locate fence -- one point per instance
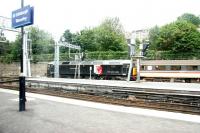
(152, 55)
(168, 55)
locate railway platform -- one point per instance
(50, 114)
(159, 87)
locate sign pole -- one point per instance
(22, 89)
(20, 18)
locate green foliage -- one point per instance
(4, 48)
(169, 55)
(137, 45)
(42, 42)
(191, 18)
(153, 37)
(106, 55)
(178, 37)
(97, 55)
(67, 35)
(108, 35)
(177, 40)
(87, 40)
(4, 45)
(16, 48)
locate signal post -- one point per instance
(142, 49)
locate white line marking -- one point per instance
(27, 98)
(131, 110)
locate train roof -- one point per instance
(99, 62)
(143, 62)
(171, 62)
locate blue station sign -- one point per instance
(22, 17)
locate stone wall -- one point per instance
(38, 69)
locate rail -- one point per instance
(174, 100)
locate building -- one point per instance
(141, 35)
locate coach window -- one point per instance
(194, 68)
(168, 68)
(160, 67)
(184, 68)
(143, 68)
(174, 68)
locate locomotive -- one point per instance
(99, 69)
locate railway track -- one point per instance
(8, 79)
(184, 103)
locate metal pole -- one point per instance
(138, 70)
(22, 89)
(25, 54)
(130, 69)
(79, 70)
(28, 55)
(56, 61)
(69, 53)
(90, 72)
(22, 40)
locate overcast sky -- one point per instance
(55, 16)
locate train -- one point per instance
(99, 69)
(154, 70)
(171, 70)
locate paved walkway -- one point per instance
(48, 114)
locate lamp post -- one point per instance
(22, 89)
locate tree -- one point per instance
(87, 40)
(71, 38)
(179, 36)
(16, 48)
(190, 18)
(4, 44)
(110, 35)
(42, 43)
(153, 35)
(67, 35)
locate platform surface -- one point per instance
(117, 83)
(48, 114)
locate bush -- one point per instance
(169, 55)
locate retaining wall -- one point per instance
(13, 69)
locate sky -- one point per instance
(55, 16)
